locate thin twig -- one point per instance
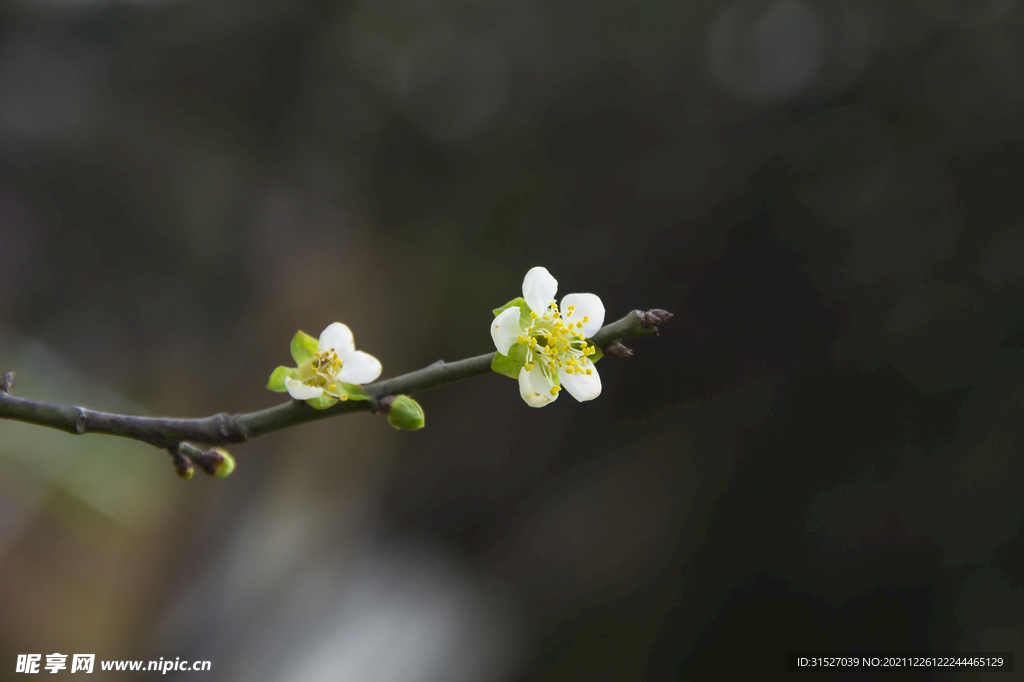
(166, 432)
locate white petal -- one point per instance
(338, 337)
(301, 391)
(541, 382)
(583, 387)
(505, 328)
(532, 398)
(584, 305)
(359, 368)
(539, 289)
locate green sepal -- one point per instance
(510, 364)
(597, 354)
(352, 391)
(322, 402)
(276, 383)
(303, 347)
(406, 414)
(524, 311)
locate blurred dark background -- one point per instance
(821, 451)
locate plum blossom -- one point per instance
(332, 366)
(557, 354)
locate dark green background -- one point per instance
(820, 452)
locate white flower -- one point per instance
(335, 361)
(557, 354)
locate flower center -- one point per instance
(556, 342)
(324, 368)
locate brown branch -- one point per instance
(168, 433)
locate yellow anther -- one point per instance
(554, 390)
(590, 371)
(556, 314)
(581, 336)
(572, 307)
(579, 325)
(569, 314)
(343, 397)
(533, 314)
(586, 319)
(332, 387)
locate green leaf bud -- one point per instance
(405, 414)
(217, 462)
(222, 463)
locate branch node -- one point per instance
(82, 421)
(384, 405)
(7, 383)
(616, 350)
(222, 426)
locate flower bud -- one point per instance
(405, 414)
(219, 462)
(183, 466)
